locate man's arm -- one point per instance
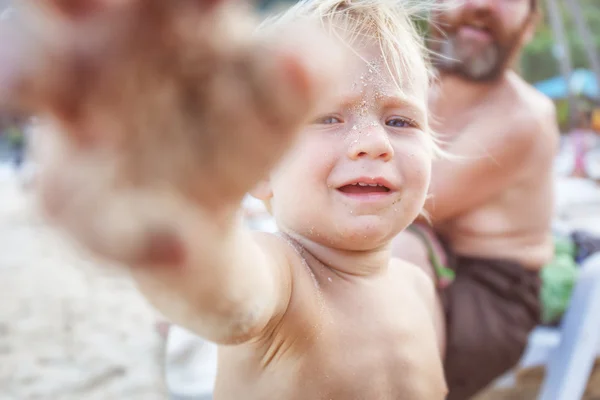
(487, 164)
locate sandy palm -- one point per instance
(174, 97)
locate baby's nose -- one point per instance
(371, 143)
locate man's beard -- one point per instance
(486, 65)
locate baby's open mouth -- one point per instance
(363, 188)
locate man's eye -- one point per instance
(398, 122)
(327, 120)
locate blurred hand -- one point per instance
(161, 112)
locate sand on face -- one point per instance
(70, 327)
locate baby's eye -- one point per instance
(327, 120)
(398, 122)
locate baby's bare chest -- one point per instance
(378, 329)
(370, 344)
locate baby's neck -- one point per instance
(347, 262)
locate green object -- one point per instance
(445, 275)
(565, 246)
(558, 281)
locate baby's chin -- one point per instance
(353, 237)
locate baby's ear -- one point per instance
(262, 191)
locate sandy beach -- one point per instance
(70, 327)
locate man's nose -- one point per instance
(372, 142)
(480, 4)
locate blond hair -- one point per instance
(388, 23)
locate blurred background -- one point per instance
(72, 330)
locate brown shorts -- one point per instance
(490, 308)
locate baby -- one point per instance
(163, 119)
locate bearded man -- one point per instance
(491, 202)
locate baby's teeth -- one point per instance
(365, 184)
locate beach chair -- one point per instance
(569, 351)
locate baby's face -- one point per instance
(360, 171)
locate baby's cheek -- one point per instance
(423, 175)
(415, 165)
(416, 174)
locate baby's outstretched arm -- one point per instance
(162, 114)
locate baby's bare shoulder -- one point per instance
(285, 253)
(305, 302)
(412, 278)
(288, 257)
(274, 246)
(411, 272)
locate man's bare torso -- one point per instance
(341, 338)
(516, 224)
